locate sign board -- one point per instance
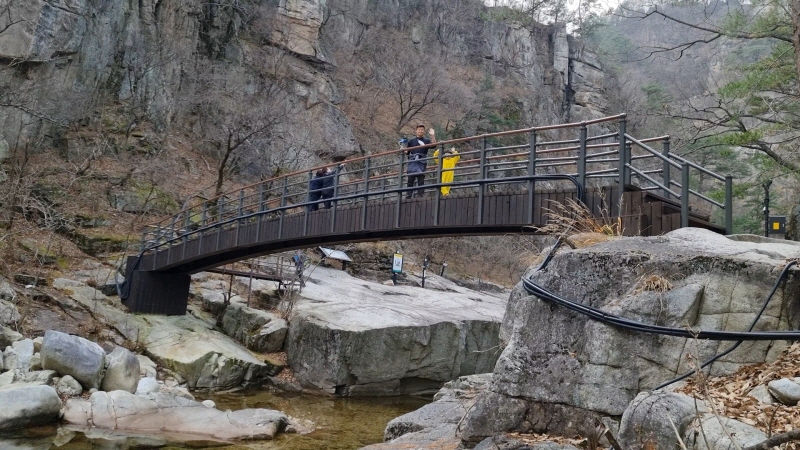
(397, 263)
(777, 224)
(335, 254)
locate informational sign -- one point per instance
(397, 263)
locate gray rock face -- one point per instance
(122, 371)
(147, 368)
(381, 340)
(18, 356)
(69, 386)
(28, 406)
(8, 337)
(785, 390)
(557, 359)
(647, 420)
(718, 431)
(203, 357)
(73, 355)
(8, 313)
(159, 413)
(258, 330)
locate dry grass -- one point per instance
(728, 394)
(653, 283)
(573, 217)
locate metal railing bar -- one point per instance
(655, 153)
(698, 167)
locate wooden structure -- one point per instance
(505, 185)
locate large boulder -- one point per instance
(122, 371)
(560, 363)
(28, 406)
(73, 355)
(258, 330)
(387, 340)
(160, 413)
(205, 358)
(649, 420)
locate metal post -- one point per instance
(444, 266)
(239, 215)
(481, 182)
(283, 211)
(622, 159)
(335, 195)
(220, 211)
(399, 191)
(260, 209)
(582, 158)
(685, 195)
(728, 204)
(438, 196)
(308, 199)
(628, 153)
(766, 185)
(666, 177)
(531, 173)
(366, 194)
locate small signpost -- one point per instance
(397, 266)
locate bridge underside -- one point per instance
(160, 280)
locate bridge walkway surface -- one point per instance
(499, 183)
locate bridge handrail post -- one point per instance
(582, 157)
(481, 181)
(666, 177)
(365, 199)
(438, 195)
(399, 191)
(622, 160)
(260, 209)
(335, 204)
(531, 173)
(308, 199)
(728, 204)
(628, 153)
(204, 215)
(283, 204)
(684, 195)
(220, 211)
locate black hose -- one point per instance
(619, 322)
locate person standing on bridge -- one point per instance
(417, 159)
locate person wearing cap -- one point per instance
(417, 159)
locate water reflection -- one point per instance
(341, 424)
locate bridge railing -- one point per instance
(487, 164)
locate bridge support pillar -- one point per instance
(157, 293)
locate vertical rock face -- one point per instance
(563, 366)
(146, 54)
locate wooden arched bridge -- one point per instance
(503, 183)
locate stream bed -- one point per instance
(341, 424)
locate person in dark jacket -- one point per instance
(315, 188)
(416, 160)
(327, 186)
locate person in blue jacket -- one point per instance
(417, 162)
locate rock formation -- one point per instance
(561, 373)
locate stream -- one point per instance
(341, 424)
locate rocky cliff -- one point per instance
(201, 67)
(561, 373)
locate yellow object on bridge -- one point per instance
(451, 157)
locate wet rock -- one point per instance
(73, 355)
(28, 406)
(159, 413)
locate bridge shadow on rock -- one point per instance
(494, 184)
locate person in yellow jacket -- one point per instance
(449, 160)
